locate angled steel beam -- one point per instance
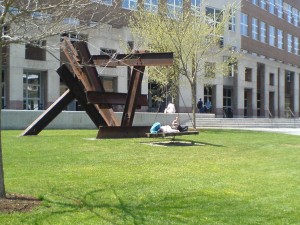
(88, 76)
(134, 92)
(96, 97)
(135, 59)
(77, 89)
(91, 75)
(47, 116)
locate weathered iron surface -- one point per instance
(81, 77)
(47, 116)
(134, 91)
(135, 59)
(76, 88)
(88, 76)
(123, 132)
(96, 97)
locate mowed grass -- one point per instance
(234, 177)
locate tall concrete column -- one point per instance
(218, 100)
(276, 94)
(281, 92)
(296, 94)
(15, 79)
(265, 92)
(254, 92)
(238, 94)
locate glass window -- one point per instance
(272, 6)
(296, 45)
(263, 31)
(248, 74)
(208, 94)
(288, 11)
(296, 17)
(72, 21)
(232, 65)
(254, 29)
(279, 6)
(263, 4)
(244, 24)
(151, 5)
(232, 21)
(41, 16)
(289, 42)
(32, 90)
(227, 98)
(174, 8)
(210, 69)
(129, 4)
(105, 2)
(280, 39)
(255, 2)
(36, 50)
(271, 35)
(74, 37)
(213, 16)
(196, 7)
(272, 79)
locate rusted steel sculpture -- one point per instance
(81, 77)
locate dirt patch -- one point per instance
(18, 203)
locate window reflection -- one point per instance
(32, 91)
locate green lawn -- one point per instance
(234, 177)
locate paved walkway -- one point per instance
(291, 131)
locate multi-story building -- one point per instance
(267, 82)
(264, 82)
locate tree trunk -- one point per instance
(193, 87)
(194, 108)
(2, 186)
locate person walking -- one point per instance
(200, 105)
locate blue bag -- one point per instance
(155, 128)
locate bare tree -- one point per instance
(29, 21)
(193, 35)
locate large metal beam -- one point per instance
(135, 59)
(47, 116)
(91, 75)
(77, 89)
(134, 92)
(88, 76)
(123, 132)
(112, 98)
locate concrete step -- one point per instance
(246, 122)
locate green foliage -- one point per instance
(233, 177)
(194, 39)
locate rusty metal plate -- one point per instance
(123, 132)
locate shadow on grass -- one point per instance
(179, 143)
(106, 206)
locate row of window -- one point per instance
(174, 6)
(269, 34)
(280, 8)
(37, 50)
